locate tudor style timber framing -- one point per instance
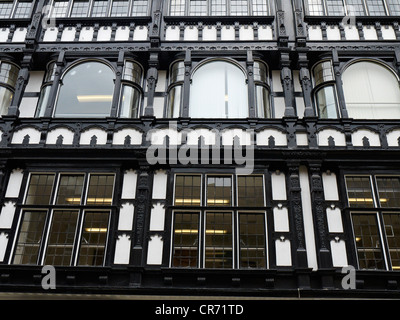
(302, 157)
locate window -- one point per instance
(176, 77)
(262, 90)
(371, 91)
(15, 9)
(375, 214)
(131, 90)
(218, 90)
(8, 79)
(218, 7)
(352, 7)
(46, 88)
(325, 91)
(99, 8)
(65, 219)
(230, 232)
(77, 99)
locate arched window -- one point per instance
(86, 91)
(8, 79)
(371, 91)
(130, 93)
(175, 86)
(218, 90)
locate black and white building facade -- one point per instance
(200, 147)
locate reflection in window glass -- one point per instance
(99, 8)
(186, 240)
(376, 7)
(218, 7)
(335, 7)
(252, 240)
(219, 191)
(392, 230)
(389, 191)
(94, 237)
(139, 8)
(119, 8)
(359, 192)
(23, 9)
(60, 8)
(100, 189)
(218, 240)
(239, 8)
(368, 242)
(80, 8)
(198, 8)
(187, 190)
(70, 189)
(174, 102)
(39, 190)
(130, 99)
(394, 7)
(78, 99)
(61, 238)
(250, 191)
(6, 96)
(355, 7)
(326, 102)
(315, 8)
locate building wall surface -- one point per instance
(132, 196)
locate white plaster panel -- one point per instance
(50, 35)
(209, 33)
(14, 183)
(314, 33)
(160, 184)
(19, 35)
(4, 34)
(87, 135)
(276, 81)
(158, 107)
(330, 186)
(388, 33)
(68, 34)
(279, 107)
(86, 34)
(3, 245)
(68, 136)
(194, 135)
(155, 250)
(35, 81)
(19, 135)
(283, 252)
(278, 181)
(333, 33)
(262, 137)
(265, 33)
(119, 136)
(126, 213)
(104, 34)
(229, 134)
(393, 138)
(323, 135)
(157, 217)
(7, 215)
(334, 218)
(339, 254)
(140, 33)
(370, 33)
(122, 33)
(27, 107)
(227, 33)
(157, 136)
(161, 81)
(351, 32)
(172, 33)
(129, 185)
(191, 33)
(300, 107)
(357, 138)
(301, 139)
(281, 219)
(122, 249)
(246, 33)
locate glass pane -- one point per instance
(198, 8)
(130, 100)
(70, 189)
(186, 240)
(394, 7)
(260, 8)
(8, 73)
(94, 237)
(174, 102)
(23, 9)
(262, 102)
(132, 72)
(187, 190)
(80, 8)
(61, 238)
(218, 90)
(6, 96)
(99, 8)
(335, 7)
(5, 9)
(218, 7)
(250, 191)
(355, 7)
(376, 8)
(218, 240)
(239, 8)
(29, 237)
(392, 229)
(42, 104)
(177, 8)
(359, 192)
(139, 8)
(60, 8)
(326, 103)
(389, 191)
(260, 72)
(78, 99)
(315, 8)
(177, 72)
(119, 8)
(252, 240)
(368, 242)
(101, 187)
(219, 191)
(323, 72)
(40, 188)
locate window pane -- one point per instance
(130, 100)
(198, 8)
(218, 90)
(177, 8)
(252, 240)
(218, 7)
(355, 7)
(219, 191)
(177, 72)
(23, 9)
(100, 190)
(323, 72)
(70, 189)
(326, 103)
(5, 9)
(239, 8)
(218, 240)
(376, 8)
(335, 7)
(132, 72)
(60, 8)
(359, 192)
(42, 104)
(94, 237)
(99, 8)
(139, 8)
(368, 242)
(40, 188)
(6, 96)
(78, 99)
(315, 8)
(174, 102)
(394, 7)
(80, 8)
(30, 237)
(61, 238)
(389, 191)
(186, 240)
(260, 8)
(119, 8)
(250, 191)
(392, 229)
(262, 102)
(187, 190)
(8, 73)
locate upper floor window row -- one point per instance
(17, 9)
(219, 8)
(98, 8)
(353, 7)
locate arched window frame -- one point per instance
(8, 83)
(322, 85)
